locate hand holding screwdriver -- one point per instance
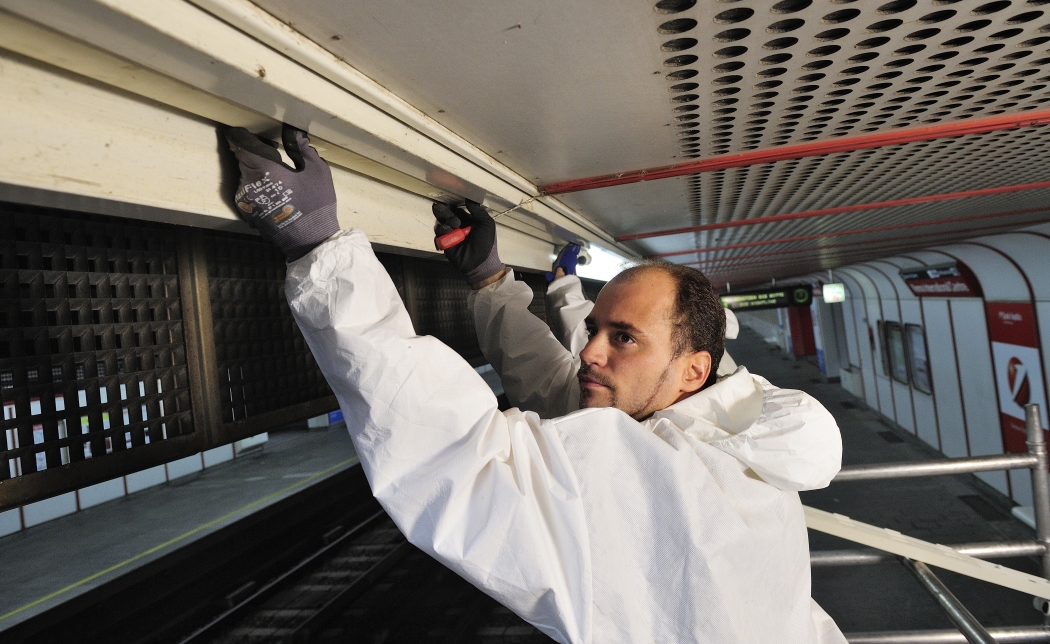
(468, 238)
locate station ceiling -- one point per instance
(749, 138)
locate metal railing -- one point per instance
(969, 629)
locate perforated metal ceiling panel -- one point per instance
(565, 91)
(799, 70)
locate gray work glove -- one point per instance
(293, 208)
(476, 256)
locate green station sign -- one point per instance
(771, 299)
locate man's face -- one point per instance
(629, 362)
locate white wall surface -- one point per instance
(922, 404)
(962, 416)
(100, 493)
(877, 309)
(48, 509)
(945, 376)
(889, 296)
(978, 384)
(858, 332)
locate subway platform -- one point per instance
(63, 562)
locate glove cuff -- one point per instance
(491, 266)
(303, 236)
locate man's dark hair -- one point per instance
(699, 317)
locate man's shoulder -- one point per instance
(592, 415)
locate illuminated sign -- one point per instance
(942, 280)
(834, 293)
(771, 299)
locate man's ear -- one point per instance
(695, 370)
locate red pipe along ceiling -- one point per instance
(860, 231)
(891, 242)
(802, 150)
(823, 212)
(742, 262)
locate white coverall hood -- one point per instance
(781, 434)
(732, 325)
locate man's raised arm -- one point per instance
(569, 307)
(538, 373)
(492, 496)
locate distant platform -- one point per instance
(52, 563)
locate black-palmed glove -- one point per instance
(476, 256)
(293, 208)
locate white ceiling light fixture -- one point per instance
(604, 264)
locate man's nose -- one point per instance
(595, 351)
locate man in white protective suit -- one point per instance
(665, 509)
(569, 308)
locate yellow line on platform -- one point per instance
(175, 540)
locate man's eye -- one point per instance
(590, 332)
(623, 338)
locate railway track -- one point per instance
(367, 584)
(302, 600)
(325, 565)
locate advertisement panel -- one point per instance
(1018, 368)
(942, 280)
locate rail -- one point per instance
(953, 608)
(353, 568)
(968, 628)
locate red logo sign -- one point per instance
(945, 280)
(1017, 379)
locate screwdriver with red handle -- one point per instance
(450, 239)
(450, 229)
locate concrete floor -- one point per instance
(44, 560)
(952, 509)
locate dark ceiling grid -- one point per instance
(978, 214)
(1002, 158)
(863, 250)
(1000, 203)
(860, 243)
(995, 159)
(682, 87)
(885, 231)
(758, 269)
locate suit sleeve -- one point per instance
(538, 373)
(569, 308)
(491, 495)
